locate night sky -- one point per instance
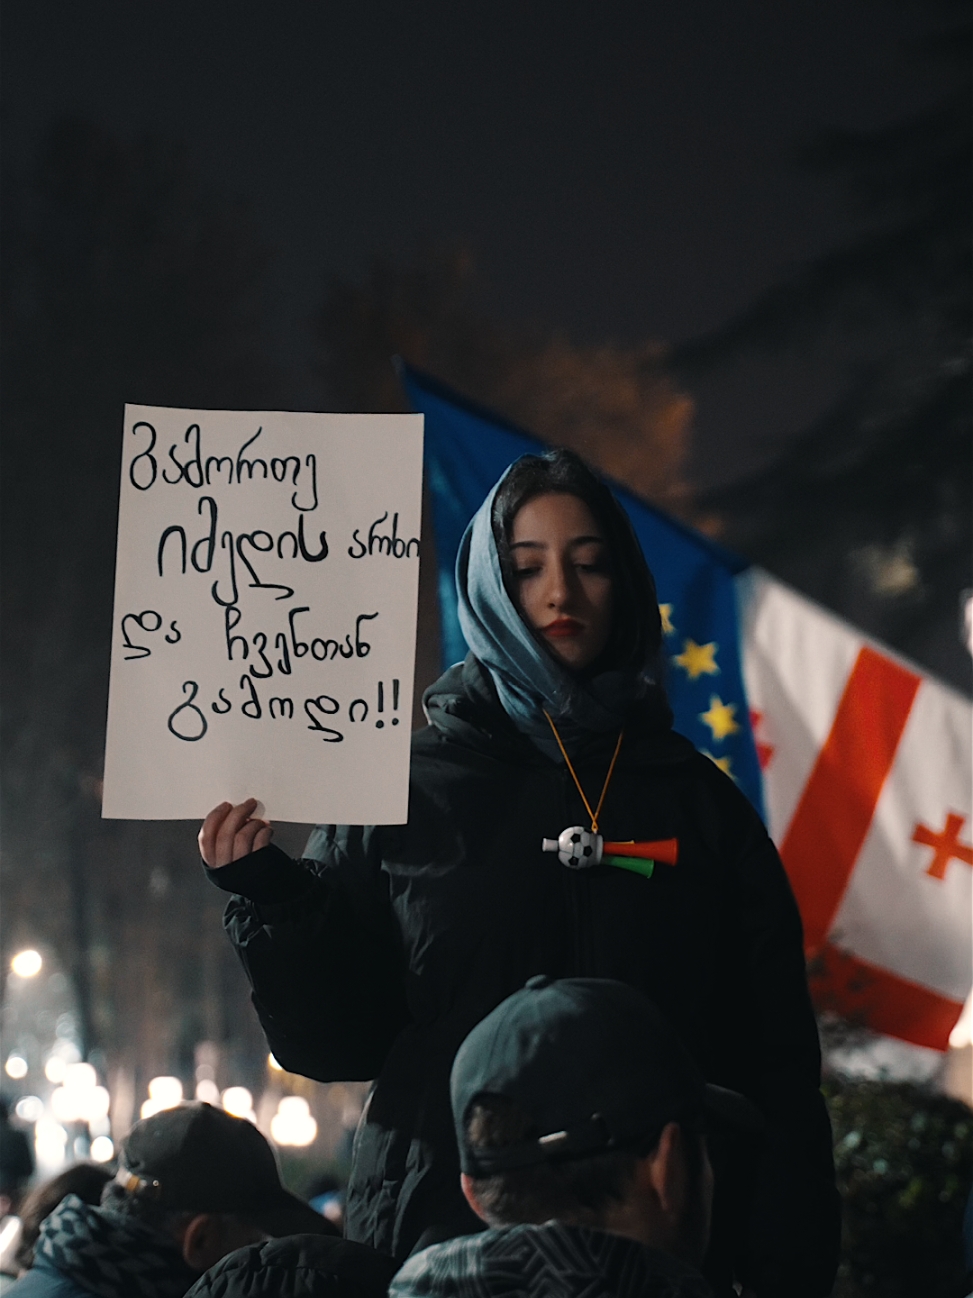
(619, 170)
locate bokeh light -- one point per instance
(29, 1108)
(292, 1124)
(26, 964)
(102, 1149)
(207, 1091)
(238, 1101)
(164, 1093)
(16, 1067)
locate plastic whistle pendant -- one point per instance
(582, 849)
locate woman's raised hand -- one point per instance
(228, 833)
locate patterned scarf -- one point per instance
(112, 1255)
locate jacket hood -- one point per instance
(463, 706)
(530, 1261)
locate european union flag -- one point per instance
(467, 449)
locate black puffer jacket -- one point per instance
(375, 957)
(300, 1266)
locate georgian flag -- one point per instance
(859, 762)
(868, 789)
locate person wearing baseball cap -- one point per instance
(581, 1122)
(193, 1184)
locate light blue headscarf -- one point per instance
(527, 678)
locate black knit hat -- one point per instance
(198, 1158)
(593, 1064)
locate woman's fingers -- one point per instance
(245, 840)
(233, 822)
(228, 833)
(263, 837)
(208, 831)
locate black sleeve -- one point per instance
(323, 959)
(795, 1224)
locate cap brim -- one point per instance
(289, 1215)
(728, 1110)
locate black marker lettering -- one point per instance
(283, 664)
(231, 619)
(143, 455)
(260, 644)
(312, 462)
(280, 543)
(227, 603)
(286, 707)
(300, 649)
(209, 540)
(175, 530)
(140, 651)
(194, 717)
(278, 467)
(382, 540)
(351, 710)
(362, 647)
(249, 465)
(329, 706)
(305, 552)
(221, 712)
(253, 702)
(176, 633)
(251, 539)
(219, 461)
(362, 547)
(180, 467)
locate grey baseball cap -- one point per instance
(594, 1065)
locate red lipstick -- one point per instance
(563, 628)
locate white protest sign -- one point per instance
(265, 615)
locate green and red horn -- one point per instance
(641, 857)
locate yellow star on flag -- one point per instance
(665, 611)
(698, 659)
(722, 762)
(719, 718)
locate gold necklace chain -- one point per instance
(604, 788)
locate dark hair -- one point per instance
(577, 1190)
(637, 626)
(86, 1180)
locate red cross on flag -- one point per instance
(868, 787)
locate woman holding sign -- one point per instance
(557, 825)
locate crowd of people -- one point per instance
(583, 1127)
(576, 976)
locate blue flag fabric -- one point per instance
(466, 451)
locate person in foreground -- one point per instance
(579, 1119)
(193, 1184)
(377, 954)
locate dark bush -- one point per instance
(904, 1157)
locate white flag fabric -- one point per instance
(868, 785)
